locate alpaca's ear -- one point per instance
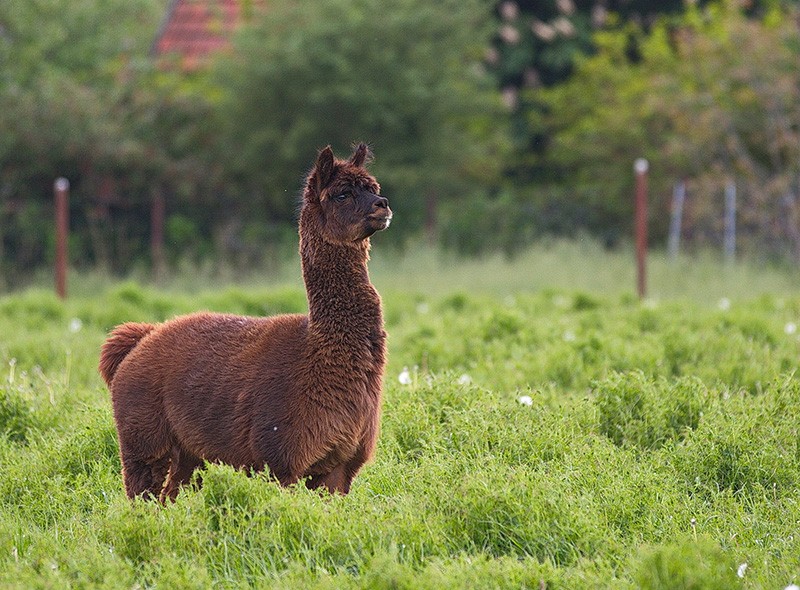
(323, 169)
(361, 155)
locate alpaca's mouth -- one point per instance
(382, 220)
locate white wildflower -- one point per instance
(75, 325)
(569, 336)
(405, 377)
(464, 379)
(792, 587)
(525, 400)
(790, 328)
(724, 304)
(423, 308)
(742, 569)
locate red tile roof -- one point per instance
(193, 29)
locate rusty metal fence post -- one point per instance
(61, 189)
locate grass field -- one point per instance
(549, 431)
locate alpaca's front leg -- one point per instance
(284, 452)
(340, 478)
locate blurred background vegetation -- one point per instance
(494, 124)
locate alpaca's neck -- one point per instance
(342, 302)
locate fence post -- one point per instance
(640, 167)
(729, 240)
(61, 189)
(676, 216)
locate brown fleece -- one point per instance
(297, 394)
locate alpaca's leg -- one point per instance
(284, 476)
(336, 481)
(144, 434)
(182, 466)
(144, 478)
(363, 454)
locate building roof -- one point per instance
(194, 29)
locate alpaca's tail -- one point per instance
(117, 346)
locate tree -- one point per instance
(62, 108)
(404, 76)
(714, 98)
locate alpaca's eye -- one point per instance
(340, 198)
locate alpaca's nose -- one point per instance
(381, 202)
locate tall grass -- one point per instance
(542, 436)
(575, 265)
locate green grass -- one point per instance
(658, 445)
(572, 266)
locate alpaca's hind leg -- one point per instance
(144, 434)
(182, 466)
(144, 478)
(337, 481)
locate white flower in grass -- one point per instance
(724, 304)
(464, 379)
(741, 570)
(75, 325)
(404, 377)
(792, 587)
(790, 328)
(525, 400)
(569, 336)
(423, 308)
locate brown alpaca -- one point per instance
(298, 394)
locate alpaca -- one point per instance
(297, 394)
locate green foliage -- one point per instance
(402, 76)
(707, 92)
(710, 99)
(473, 226)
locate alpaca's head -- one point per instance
(342, 200)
